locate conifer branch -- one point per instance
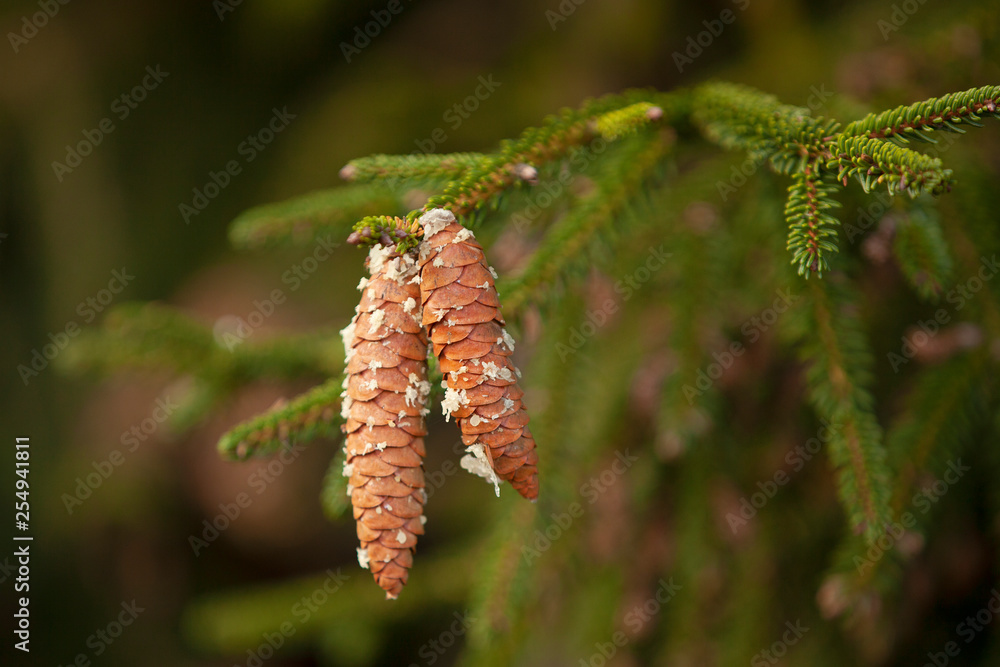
(310, 415)
(501, 569)
(812, 231)
(394, 169)
(517, 161)
(942, 414)
(922, 252)
(839, 361)
(876, 162)
(335, 497)
(739, 117)
(536, 146)
(694, 529)
(565, 242)
(621, 122)
(143, 336)
(388, 230)
(919, 120)
(151, 336)
(940, 418)
(230, 621)
(599, 397)
(302, 219)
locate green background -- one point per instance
(119, 209)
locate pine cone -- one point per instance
(461, 311)
(384, 403)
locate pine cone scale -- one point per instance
(385, 393)
(481, 381)
(444, 334)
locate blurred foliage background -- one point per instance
(227, 67)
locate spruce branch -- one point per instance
(335, 497)
(503, 573)
(302, 219)
(229, 621)
(599, 397)
(565, 243)
(621, 122)
(942, 414)
(739, 117)
(312, 414)
(389, 230)
(410, 169)
(940, 419)
(286, 356)
(195, 402)
(144, 336)
(876, 162)
(922, 252)
(692, 614)
(517, 161)
(491, 178)
(834, 345)
(812, 231)
(919, 120)
(151, 336)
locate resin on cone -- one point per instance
(461, 311)
(384, 403)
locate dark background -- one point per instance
(120, 209)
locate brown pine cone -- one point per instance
(384, 403)
(461, 311)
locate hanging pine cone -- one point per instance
(384, 403)
(461, 311)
